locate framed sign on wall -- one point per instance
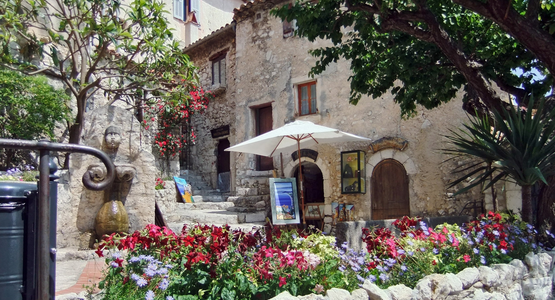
(285, 203)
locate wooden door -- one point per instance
(264, 124)
(390, 191)
(223, 156)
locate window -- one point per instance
(218, 70)
(186, 10)
(307, 98)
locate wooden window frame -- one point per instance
(311, 110)
(221, 71)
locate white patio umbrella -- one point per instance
(291, 137)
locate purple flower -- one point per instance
(134, 259)
(404, 268)
(476, 251)
(164, 284)
(149, 295)
(142, 282)
(435, 251)
(169, 298)
(360, 278)
(372, 278)
(135, 277)
(384, 277)
(163, 271)
(482, 260)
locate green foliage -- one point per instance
(426, 47)
(514, 143)
(29, 107)
(124, 50)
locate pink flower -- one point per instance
(282, 281)
(466, 258)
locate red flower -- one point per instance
(282, 281)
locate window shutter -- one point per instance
(195, 6)
(222, 71)
(178, 12)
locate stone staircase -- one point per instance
(213, 207)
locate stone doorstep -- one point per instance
(214, 216)
(176, 227)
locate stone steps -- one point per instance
(176, 227)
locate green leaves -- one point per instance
(117, 50)
(513, 144)
(391, 47)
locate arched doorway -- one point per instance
(390, 191)
(313, 189)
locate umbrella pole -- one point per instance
(281, 161)
(301, 179)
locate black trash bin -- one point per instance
(17, 238)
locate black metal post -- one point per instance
(43, 252)
(44, 278)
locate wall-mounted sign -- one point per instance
(305, 153)
(220, 131)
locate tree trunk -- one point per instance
(77, 126)
(546, 212)
(527, 204)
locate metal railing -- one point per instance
(44, 257)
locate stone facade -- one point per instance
(264, 67)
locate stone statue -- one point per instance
(112, 216)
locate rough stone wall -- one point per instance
(220, 111)
(77, 206)
(268, 68)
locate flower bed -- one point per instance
(207, 262)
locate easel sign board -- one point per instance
(285, 203)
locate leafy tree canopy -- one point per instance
(29, 106)
(434, 47)
(30, 109)
(121, 49)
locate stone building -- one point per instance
(259, 73)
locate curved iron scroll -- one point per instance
(88, 178)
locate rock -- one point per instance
(488, 276)
(535, 265)
(454, 282)
(521, 271)
(513, 292)
(399, 292)
(338, 294)
(374, 292)
(505, 273)
(546, 261)
(313, 297)
(430, 287)
(468, 277)
(538, 288)
(359, 294)
(284, 296)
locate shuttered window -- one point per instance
(194, 6)
(179, 9)
(307, 98)
(218, 70)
